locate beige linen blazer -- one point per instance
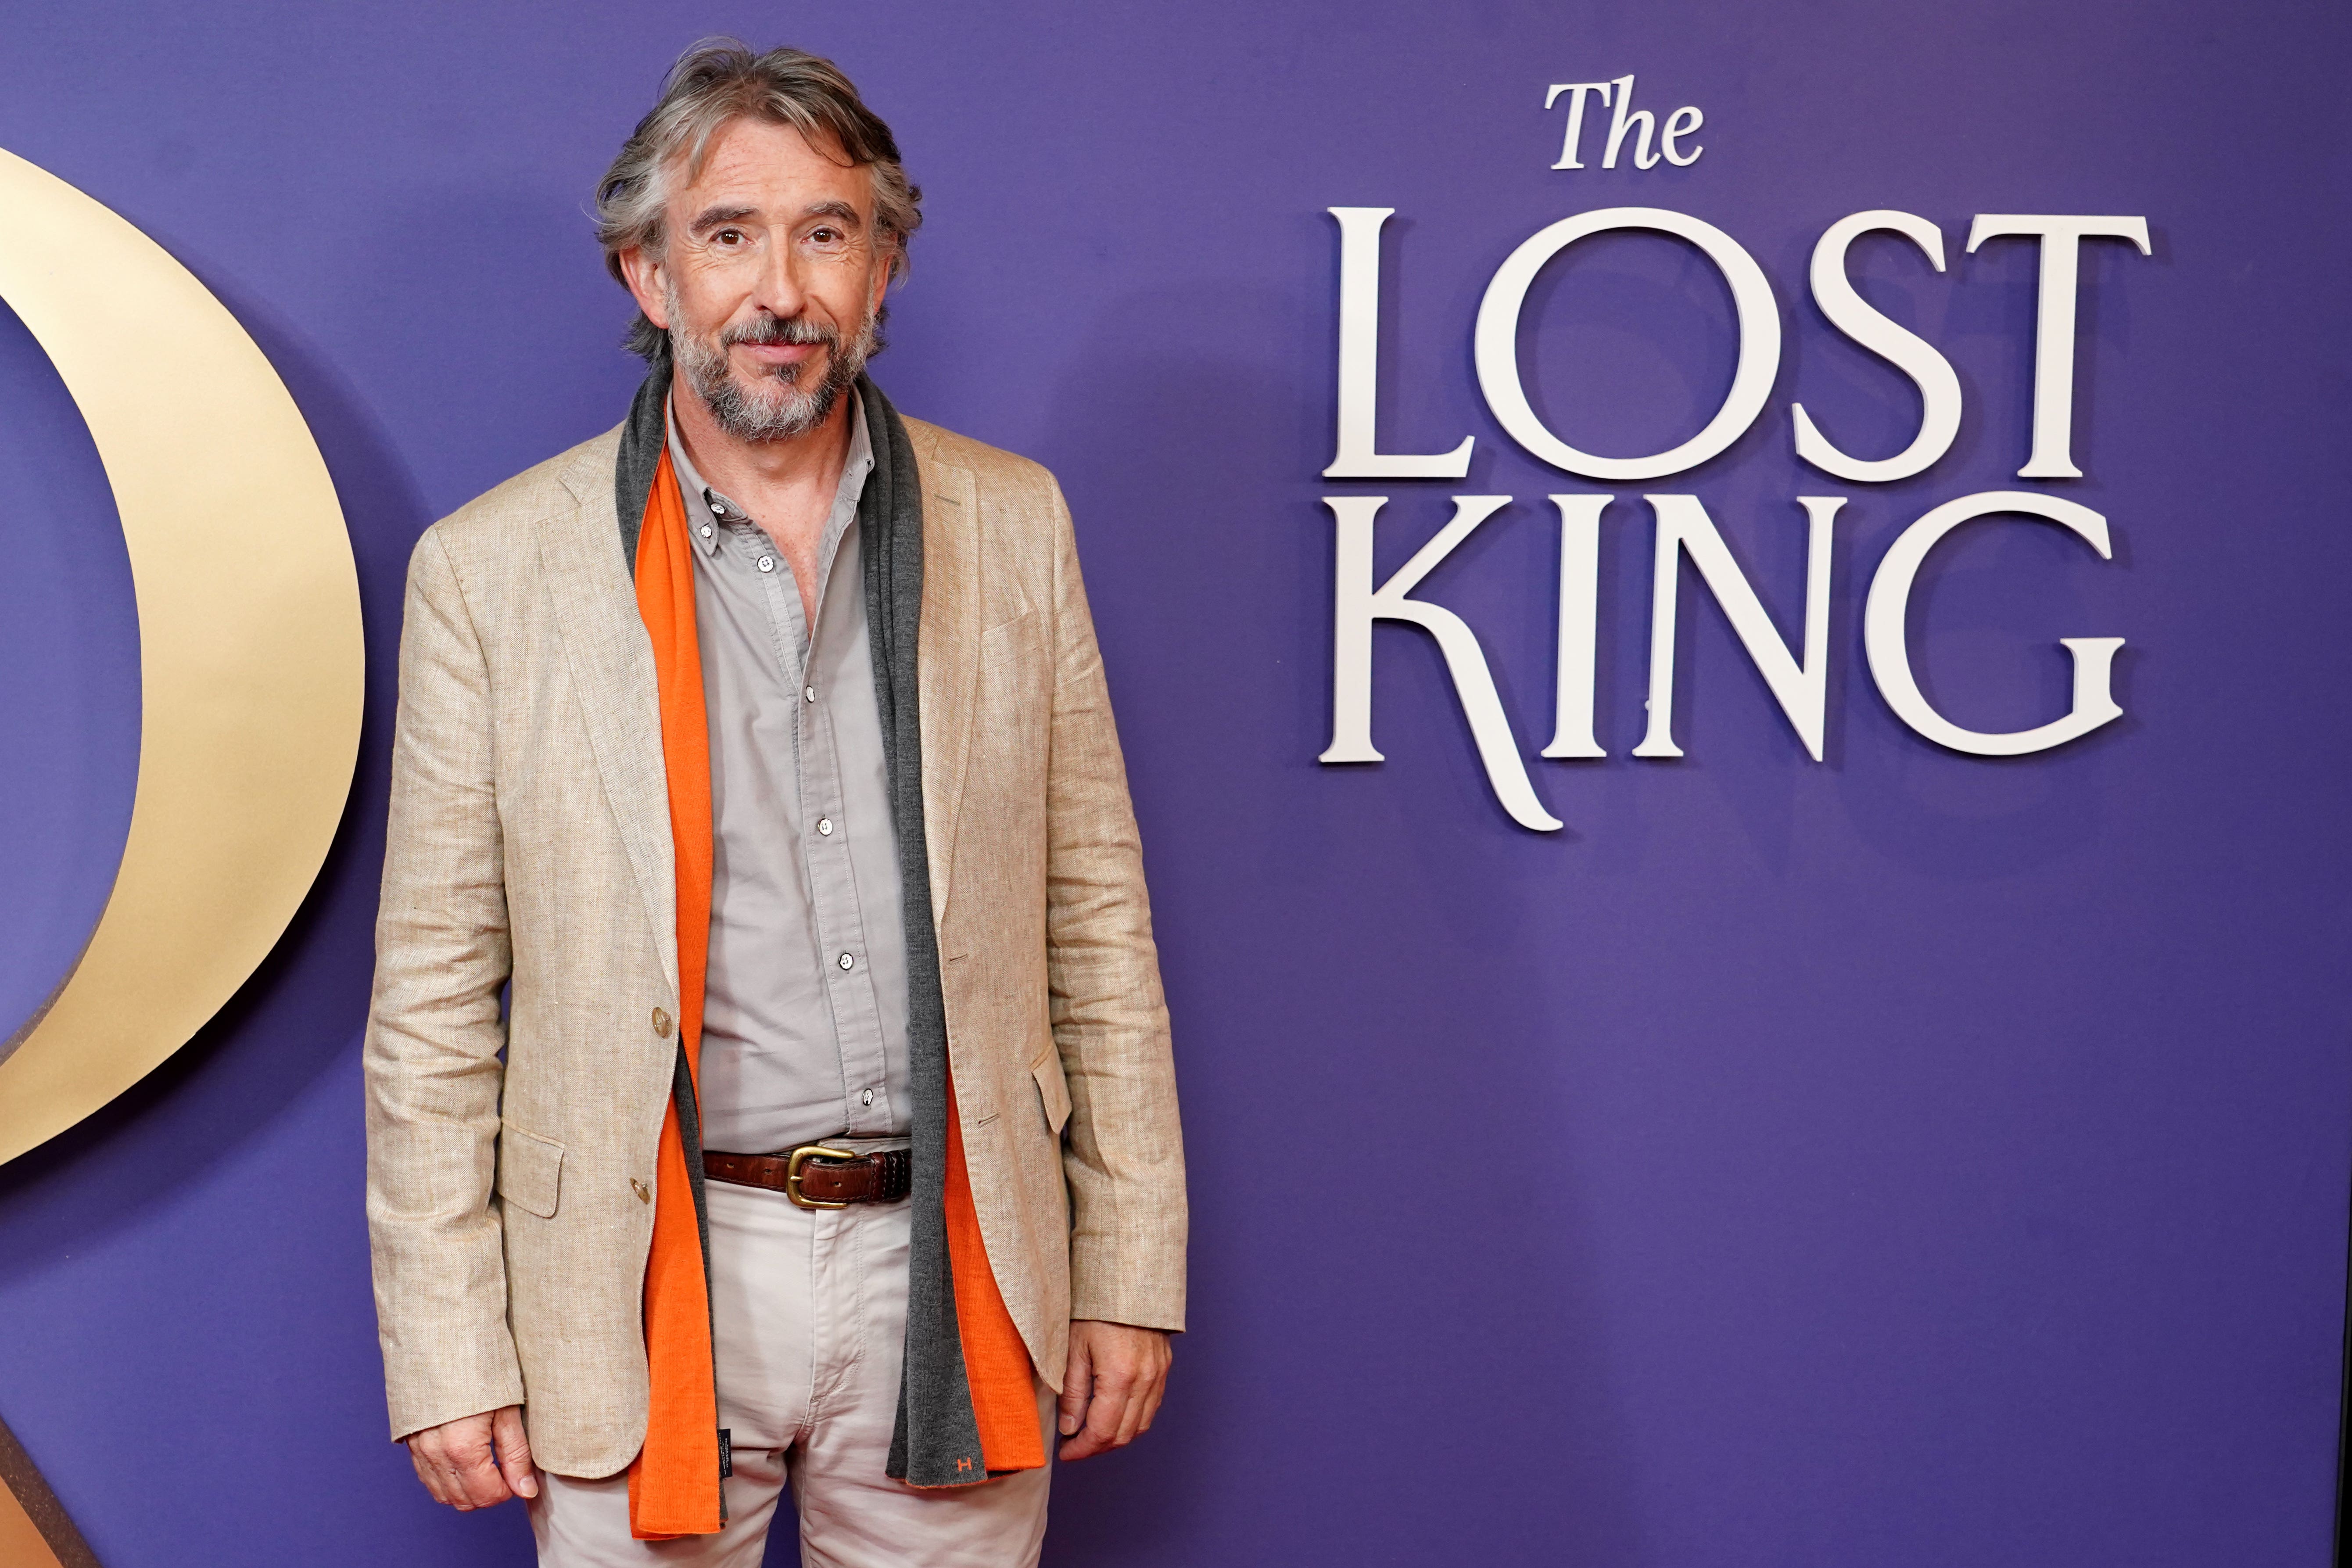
(512, 1161)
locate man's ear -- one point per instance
(643, 274)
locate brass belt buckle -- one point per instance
(793, 1173)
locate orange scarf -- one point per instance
(674, 1482)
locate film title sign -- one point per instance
(1796, 677)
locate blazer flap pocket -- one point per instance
(531, 1169)
(1053, 1089)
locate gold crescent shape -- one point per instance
(250, 657)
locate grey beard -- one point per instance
(777, 406)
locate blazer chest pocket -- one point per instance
(530, 1170)
(1011, 641)
(1052, 1089)
(1015, 704)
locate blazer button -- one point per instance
(644, 1194)
(661, 1022)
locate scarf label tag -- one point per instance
(726, 1453)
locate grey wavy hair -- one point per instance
(715, 82)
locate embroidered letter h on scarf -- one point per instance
(967, 1406)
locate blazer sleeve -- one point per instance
(435, 1031)
(1125, 1157)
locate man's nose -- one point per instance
(778, 289)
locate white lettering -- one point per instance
(1357, 604)
(1888, 612)
(1801, 689)
(1496, 345)
(2054, 323)
(1939, 389)
(1683, 122)
(1620, 122)
(1579, 598)
(1358, 457)
(1576, 91)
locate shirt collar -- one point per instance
(705, 505)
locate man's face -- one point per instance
(770, 279)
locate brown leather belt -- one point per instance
(818, 1176)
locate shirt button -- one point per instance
(644, 1194)
(847, 962)
(767, 564)
(706, 530)
(865, 1098)
(661, 1022)
(719, 508)
(824, 825)
(809, 692)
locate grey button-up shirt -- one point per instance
(804, 1008)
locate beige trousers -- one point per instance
(809, 1314)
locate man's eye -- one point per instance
(826, 236)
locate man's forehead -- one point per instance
(753, 162)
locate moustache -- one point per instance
(777, 329)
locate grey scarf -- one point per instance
(937, 1440)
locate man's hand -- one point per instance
(1112, 1386)
(477, 1461)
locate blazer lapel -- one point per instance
(947, 654)
(613, 665)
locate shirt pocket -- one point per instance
(530, 1170)
(1052, 1089)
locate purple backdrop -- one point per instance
(1905, 1158)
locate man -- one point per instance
(761, 746)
